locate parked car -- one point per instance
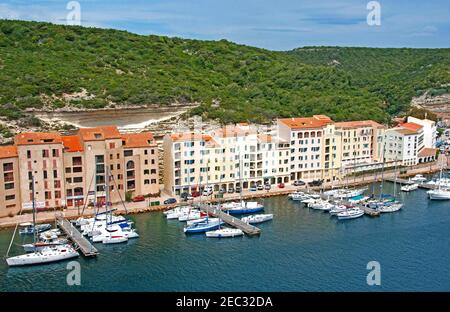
(253, 189)
(138, 198)
(222, 191)
(170, 201)
(195, 194)
(315, 183)
(299, 183)
(230, 190)
(207, 192)
(260, 187)
(186, 196)
(238, 189)
(267, 187)
(281, 185)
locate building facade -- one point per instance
(74, 170)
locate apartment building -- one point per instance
(74, 170)
(9, 181)
(429, 130)
(229, 157)
(307, 145)
(403, 144)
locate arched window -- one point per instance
(130, 165)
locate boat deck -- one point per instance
(76, 237)
(233, 221)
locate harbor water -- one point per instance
(300, 250)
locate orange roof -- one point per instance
(427, 152)
(358, 124)
(317, 121)
(136, 140)
(189, 136)
(72, 143)
(99, 133)
(32, 138)
(405, 131)
(8, 151)
(265, 138)
(411, 126)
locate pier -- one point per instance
(75, 236)
(230, 220)
(404, 182)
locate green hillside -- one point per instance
(40, 61)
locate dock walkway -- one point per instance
(75, 236)
(230, 220)
(405, 181)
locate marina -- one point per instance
(302, 249)
(232, 221)
(75, 236)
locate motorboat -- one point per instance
(345, 193)
(338, 209)
(225, 232)
(182, 209)
(358, 199)
(320, 204)
(242, 207)
(259, 218)
(418, 178)
(115, 239)
(28, 228)
(179, 212)
(45, 255)
(114, 230)
(390, 207)
(439, 194)
(350, 213)
(192, 215)
(409, 187)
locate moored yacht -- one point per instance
(225, 232)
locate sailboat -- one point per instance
(46, 254)
(441, 193)
(242, 207)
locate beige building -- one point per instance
(73, 170)
(9, 181)
(314, 150)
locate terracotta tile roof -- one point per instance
(8, 151)
(99, 133)
(427, 152)
(267, 138)
(411, 126)
(317, 121)
(405, 131)
(33, 138)
(72, 143)
(136, 140)
(358, 124)
(189, 136)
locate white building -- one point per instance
(429, 130)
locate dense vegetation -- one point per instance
(39, 62)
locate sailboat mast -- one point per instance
(382, 172)
(34, 209)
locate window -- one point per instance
(46, 175)
(146, 171)
(55, 152)
(147, 181)
(153, 181)
(55, 174)
(9, 186)
(112, 146)
(10, 197)
(68, 170)
(76, 161)
(48, 195)
(145, 152)
(8, 167)
(57, 184)
(28, 154)
(128, 153)
(77, 169)
(57, 194)
(45, 153)
(153, 171)
(77, 179)
(152, 151)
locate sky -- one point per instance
(274, 24)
